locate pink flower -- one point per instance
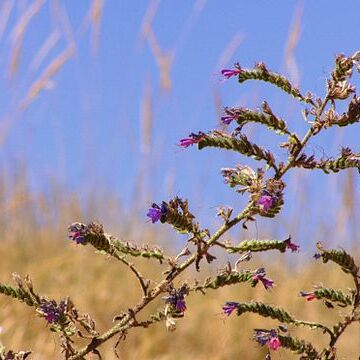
(228, 73)
(265, 202)
(192, 139)
(259, 275)
(274, 343)
(267, 337)
(293, 247)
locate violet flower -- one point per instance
(176, 298)
(228, 73)
(262, 336)
(259, 275)
(156, 212)
(317, 256)
(289, 245)
(192, 139)
(265, 202)
(229, 307)
(229, 117)
(51, 311)
(77, 232)
(267, 337)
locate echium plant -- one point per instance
(265, 188)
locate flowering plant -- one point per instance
(265, 188)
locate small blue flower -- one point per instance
(155, 213)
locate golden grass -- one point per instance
(33, 233)
(103, 288)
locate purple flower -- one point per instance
(262, 336)
(176, 298)
(180, 305)
(267, 337)
(228, 73)
(309, 296)
(157, 212)
(289, 245)
(77, 232)
(192, 139)
(265, 202)
(259, 275)
(51, 311)
(231, 114)
(227, 119)
(317, 256)
(229, 307)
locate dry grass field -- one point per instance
(103, 288)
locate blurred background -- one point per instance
(95, 96)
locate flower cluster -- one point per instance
(51, 311)
(176, 298)
(77, 232)
(156, 212)
(267, 337)
(265, 202)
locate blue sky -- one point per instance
(85, 132)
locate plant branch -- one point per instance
(151, 295)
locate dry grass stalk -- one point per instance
(44, 80)
(5, 12)
(147, 116)
(95, 16)
(47, 46)
(18, 33)
(293, 40)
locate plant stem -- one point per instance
(125, 324)
(304, 141)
